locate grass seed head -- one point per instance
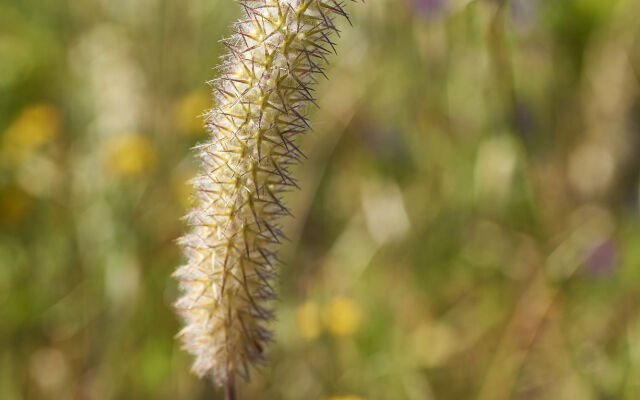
(278, 49)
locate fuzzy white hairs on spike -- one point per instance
(278, 49)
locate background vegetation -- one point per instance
(468, 225)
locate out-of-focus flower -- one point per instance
(14, 205)
(35, 126)
(188, 113)
(130, 155)
(342, 316)
(308, 320)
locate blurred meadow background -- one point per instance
(468, 225)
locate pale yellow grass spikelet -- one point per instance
(277, 51)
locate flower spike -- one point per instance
(278, 49)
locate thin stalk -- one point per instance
(230, 388)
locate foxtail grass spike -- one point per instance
(277, 52)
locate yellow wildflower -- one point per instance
(35, 125)
(130, 155)
(342, 316)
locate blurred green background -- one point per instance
(468, 225)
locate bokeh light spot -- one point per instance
(342, 316)
(130, 155)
